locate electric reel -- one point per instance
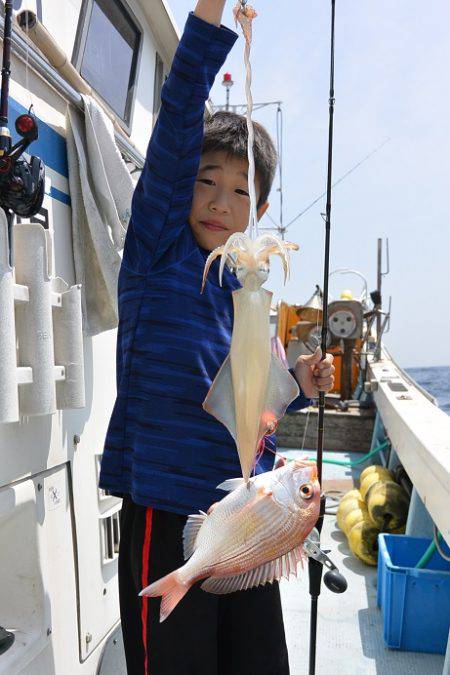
(22, 182)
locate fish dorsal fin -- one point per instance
(267, 573)
(190, 532)
(231, 484)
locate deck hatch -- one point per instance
(397, 386)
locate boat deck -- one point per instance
(350, 628)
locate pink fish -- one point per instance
(252, 536)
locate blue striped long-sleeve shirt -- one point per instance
(161, 446)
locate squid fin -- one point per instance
(258, 576)
(219, 401)
(190, 532)
(282, 389)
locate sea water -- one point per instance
(435, 380)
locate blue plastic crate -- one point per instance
(415, 603)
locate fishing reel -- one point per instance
(6, 640)
(22, 182)
(333, 579)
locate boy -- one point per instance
(163, 453)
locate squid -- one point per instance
(252, 388)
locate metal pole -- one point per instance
(315, 567)
(6, 66)
(379, 281)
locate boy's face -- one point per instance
(221, 201)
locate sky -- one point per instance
(392, 81)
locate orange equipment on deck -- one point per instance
(295, 322)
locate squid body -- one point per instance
(252, 388)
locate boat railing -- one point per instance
(419, 432)
(410, 379)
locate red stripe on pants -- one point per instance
(145, 565)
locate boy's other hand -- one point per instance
(314, 375)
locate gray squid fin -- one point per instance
(219, 401)
(282, 389)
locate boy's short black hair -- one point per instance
(227, 131)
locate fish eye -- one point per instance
(307, 491)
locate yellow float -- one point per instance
(373, 477)
(387, 505)
(363, 541)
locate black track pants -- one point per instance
(240, 633)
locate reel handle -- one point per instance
(335, 581)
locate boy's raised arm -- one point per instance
(163, 196)
(210, 10)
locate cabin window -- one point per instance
(106, 53)
(158, 83)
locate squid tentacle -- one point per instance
(270, 245)
(250, 252)
(209, 261)
(236, 244)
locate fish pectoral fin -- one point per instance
(219, 401)
(269, 572)
(190, 532)
(231, 484)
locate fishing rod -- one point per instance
(332, 579)
(21, 182)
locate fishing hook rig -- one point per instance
(22, 181)
(333, 579)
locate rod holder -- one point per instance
(68, 343)
(34, 324)
(9, 395)
(41, 339)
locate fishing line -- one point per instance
(27, 62)
(317, 199)
(309, 407)
(343, 177)
(279, 128)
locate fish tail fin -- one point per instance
(172, 591)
